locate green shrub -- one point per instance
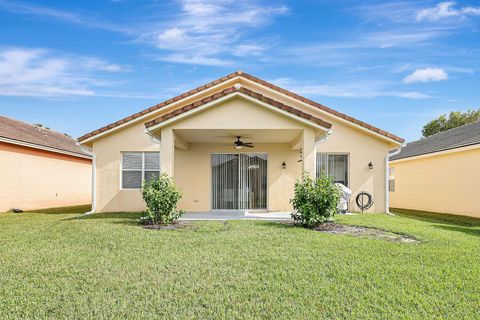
(315, 201)
(161, 197)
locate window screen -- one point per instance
(334, 165)
(139, 166)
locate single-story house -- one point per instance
(41, 168)
(439, 173)
(237, 143)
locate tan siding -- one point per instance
(445, 183)
(35, 179)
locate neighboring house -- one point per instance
(41, 168)
(439, 173)
(191, 137)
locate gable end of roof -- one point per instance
(247, 92)
(251, 78)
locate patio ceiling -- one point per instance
(228, 136)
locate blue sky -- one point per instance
(78, 65)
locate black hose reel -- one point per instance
(364, 200)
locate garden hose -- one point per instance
(364, 200)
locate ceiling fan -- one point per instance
(239, 144)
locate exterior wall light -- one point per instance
(284, 165)
(370, 165)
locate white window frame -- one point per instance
(391, 179)
(143, 167)
(336, 154)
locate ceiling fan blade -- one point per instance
(248, 146)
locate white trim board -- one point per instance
(437, 153)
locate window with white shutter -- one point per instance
(138, 167)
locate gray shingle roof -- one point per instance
(463, 136)
(15, 130)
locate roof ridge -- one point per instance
(40, 128)
(445, 131)
(23, 133)
(250, 93)
(454, 138)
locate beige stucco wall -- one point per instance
(361, 149)
(110, 197)
(36, 179)
(192, 166)
(445, 183)
(194, 177)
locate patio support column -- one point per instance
(309, 152)
(167, 149)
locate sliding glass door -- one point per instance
(239, 181)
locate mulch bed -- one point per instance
(174, 226)
(334, 228)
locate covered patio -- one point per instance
(236, 215)
(217, 173)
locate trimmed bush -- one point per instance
(315, 201)
(161, 197)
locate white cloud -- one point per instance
(90, 20)
(194, 59)
(251, 49)
(357, 89)
(426, 75)
(97, 64)
(209, 32)
(39, 72)
(446, 10)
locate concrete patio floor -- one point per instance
(236, 215)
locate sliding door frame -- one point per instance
(211, 183)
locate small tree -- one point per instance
(315, 201)
(161, 197)
(455, 119)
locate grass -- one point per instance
(56, 265)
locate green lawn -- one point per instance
(56, 265)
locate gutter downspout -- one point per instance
(323, 137)
(94, 181)
(153, 135)
(387, 176)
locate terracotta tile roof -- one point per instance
(257, 80)
(322, 107)
(157, 106)
(243, 90)
(21, 132)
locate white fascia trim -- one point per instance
(325, 112)
(36, 146)
(149, 114)
(228, 97)
(437, 153)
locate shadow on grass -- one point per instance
(441, 218)
(465, 230)
(128, 218)
(276, 224)
(63, 210)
